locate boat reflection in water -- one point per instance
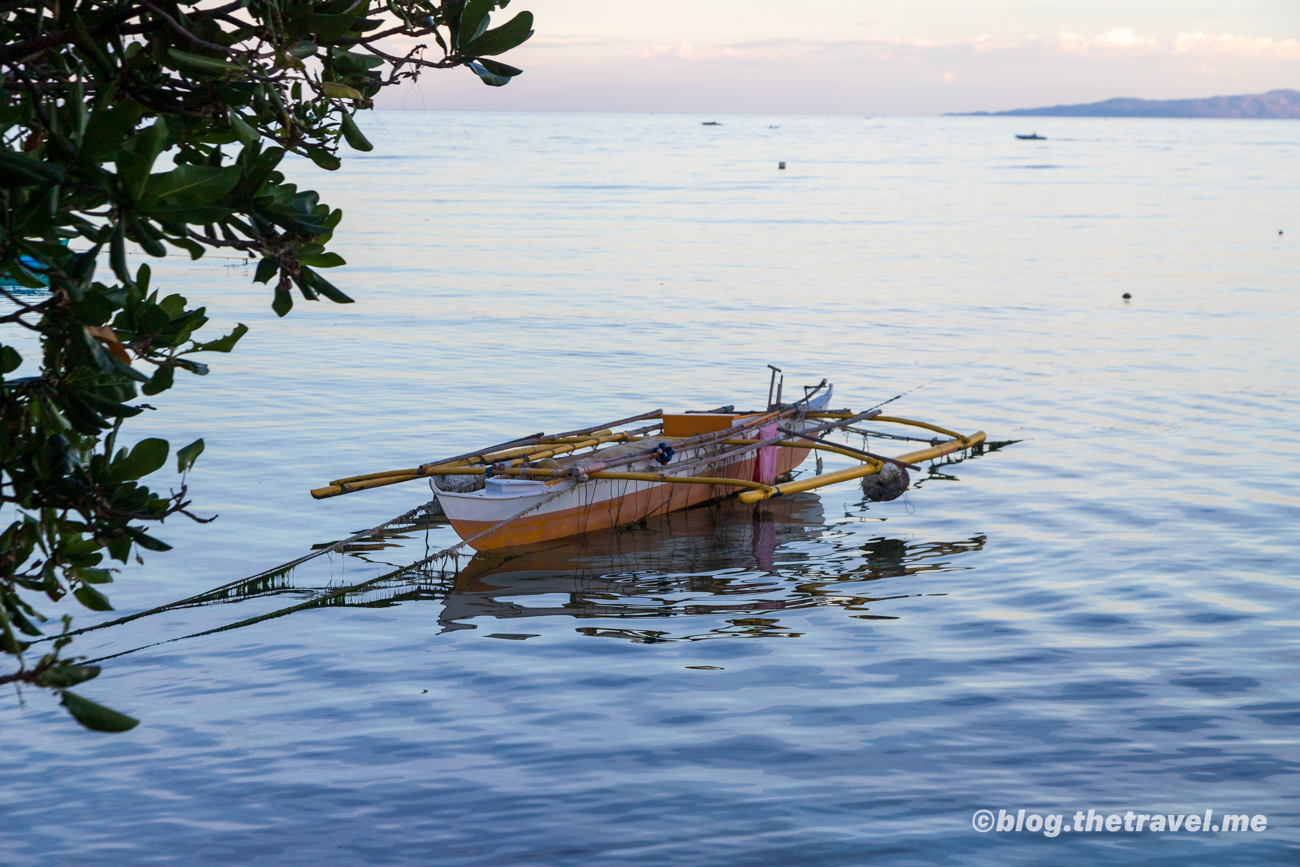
(736, 565)
(727, 568)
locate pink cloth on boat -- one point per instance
(765, 464)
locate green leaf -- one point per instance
(320, 284)
(9, 359)
(487, 77)
(496, 67)
(501, 39)
(143, 233)
(20, 170)
(195, 367)
(92, 575)
(328, 28)
(194, 248)
(266, 269)
(135, 158)
(324, 159)
(473, 21)
(186, 457)
(243, 131)
(149, 543)
(90, 48)
(92, 598)
(192, 185)
(107, 128)
(303, 49)
(105, 405)
(197, 63)
(324, 260)
(63, 676)
(282, 303)
(8, 643)
(108, 362)
(160, 381)
(146, 457)
(222, 344)
(353, 134)
(95, 716)
(336, 90)
(349, 62)
(117, 253)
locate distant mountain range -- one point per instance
(1274, 104)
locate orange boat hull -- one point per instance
(618, 511)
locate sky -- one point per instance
(872, 57)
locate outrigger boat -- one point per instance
(539, 488)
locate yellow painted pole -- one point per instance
(570, 447)
(490, 458)
(339, 488)
(961, 443)
(914, 423)
(681, 480)
(350, 485)
(866, 469)
(533, 472)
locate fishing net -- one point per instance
(888, 484)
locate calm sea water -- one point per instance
(1102, 615)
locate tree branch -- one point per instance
(180, 31)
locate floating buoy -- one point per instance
(1127, 296)
(782, 165)
(888, 484)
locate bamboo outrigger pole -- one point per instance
(757, 491)
(961, 443)
(531, 446)
(511, 458)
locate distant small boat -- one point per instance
(711, 123)
(1033, 136)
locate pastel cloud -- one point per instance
(1262, 47)
(1110, 43)
(1115, 39)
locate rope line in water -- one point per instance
(342, 591)
(263, 575)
